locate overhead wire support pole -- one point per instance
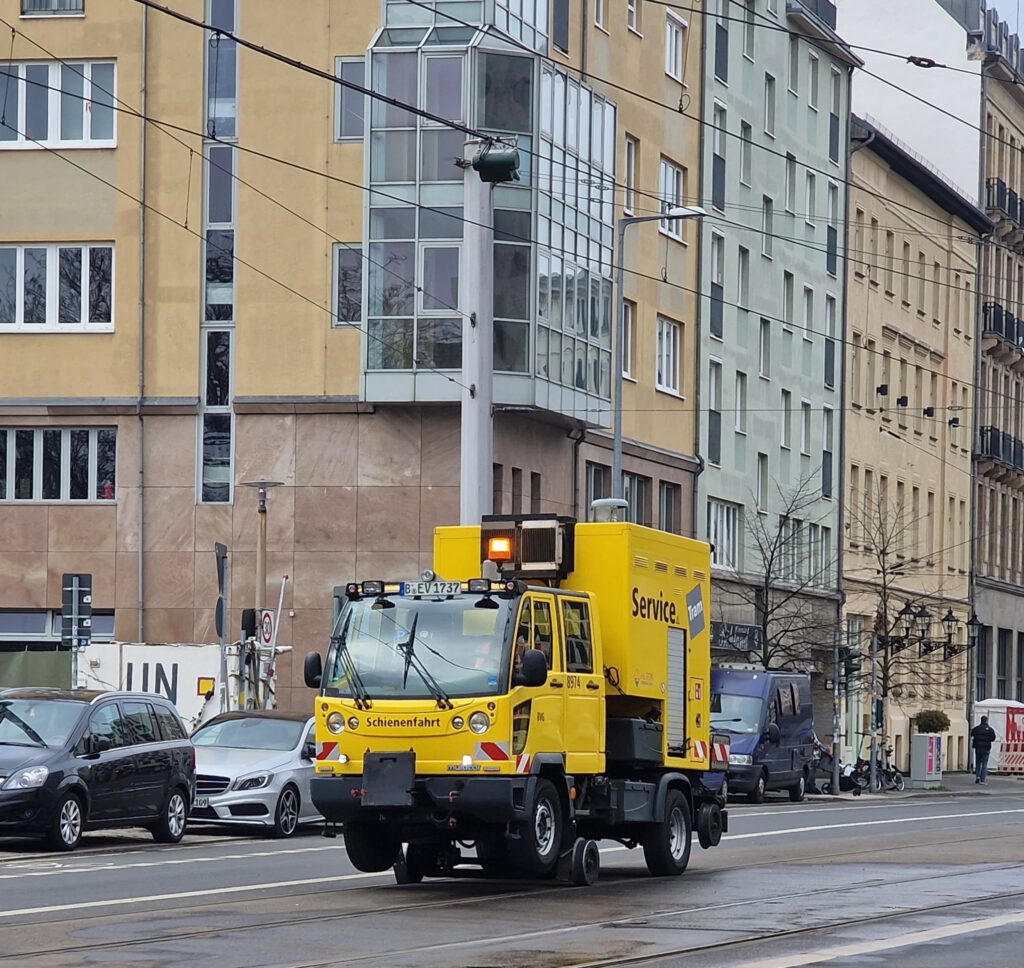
(874, 725)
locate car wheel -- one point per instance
(798, 790)
(170, 828)
(286, 816)
(667, 844)
(725, 789)
(66, 831)
(760, 785)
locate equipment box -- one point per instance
(635, 742)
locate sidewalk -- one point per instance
(952, 785)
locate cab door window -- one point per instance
(106, 730)
(543, 633)
(140, 723)
(579, 646)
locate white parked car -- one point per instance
(253, 768)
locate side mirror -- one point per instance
(309, 751)
(772, 733)
(534, 669)
(313, 670)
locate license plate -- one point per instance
(431, 588)
(201, 802)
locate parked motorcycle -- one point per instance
(852, 778)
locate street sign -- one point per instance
(733, 637)
(265, 628)
(76, 611)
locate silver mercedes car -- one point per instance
(253, 768)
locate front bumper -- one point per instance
(26, 811)
(252, 807)
(490, 799)
(742, 778)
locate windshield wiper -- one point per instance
(359, 691)
(23, 726)
(412, 659)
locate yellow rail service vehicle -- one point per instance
(559, 698)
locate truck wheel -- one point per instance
(540, 837)
(760, 785)
(586, 863)
(667, 844)
(798, 790)
(409, 866)
(709, 825)
(371, 847)
(492, 852)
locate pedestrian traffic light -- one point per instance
(497, 162)
(851, 660)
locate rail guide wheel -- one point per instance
(586, 863)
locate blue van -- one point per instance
(770, 722)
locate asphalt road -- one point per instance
(935, 882)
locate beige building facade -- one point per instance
(263, 282)
(910, 363)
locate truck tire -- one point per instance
(798, 790)
(756, 795)
(492, 852)
(709, 825)
(540, 836)
(667, 844)
(371, 847)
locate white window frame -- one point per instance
(813, 65)
(65, 468)
(790, 183)
(769, 105)
(341, 93)
(667, 355)
(808, 308)
(628, 337)
(786, 404)
(748, 30)
(746, 150)
(793, 81)
(740, 416)
(743, 276)
(810, 199)
(631, 157)
(763, 472)
(52, 324)
(599, 14)
(764, 349)
(675, 45)
(767, 226)
(724, 533)
(672, 192)
(805, 427)
(53, 108)
(633, 16)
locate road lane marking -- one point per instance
(886, 944)
(56, 867)
(837, 828)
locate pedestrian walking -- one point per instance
(982, 738)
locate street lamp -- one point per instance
(261, 538)
(973, 627)
(950, 623)
(906, 618)
(923, 620)
(681, 212)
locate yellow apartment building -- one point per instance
(912, 306)
(217, 268)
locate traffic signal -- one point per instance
(851, 660)
(497, 162)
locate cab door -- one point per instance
(536, 628)
(584, 689)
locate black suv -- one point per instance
(73, 760)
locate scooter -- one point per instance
(852, 779)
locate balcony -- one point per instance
(1002, 335)
(1000, 456)
(822, 10)
(1006, 208)
(52, 8)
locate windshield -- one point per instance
(459, 643)
(37, 722)
(254, 733)
(736, 714)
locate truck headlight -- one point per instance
(335, 723)
(479, 722)
(30, 779)
(255, 781)
(738, 759)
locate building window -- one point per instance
(718, 157)
(717, 284)
(58, 105)
(632, 155)
(721, 41)
(714, 412)
(794, 64)
(675, 46)
(769, 105)
(517, 490)
(790, 183)
(767, 226)
(560, 24)
(598, 484)
(724, 533)
(350, 104)
(56, 287)
(670, 505)
(1003, 662)
(669, 340)
(1019, 687)
(535, 492)
(832, 231)
(52, 8)
(348, 284)
(981, 660)
(787, 419)
(764, 349)
(54, 464)
(748, 29)
(805, 427)
(672, 191)
(810, 201)
(636, 490)
(762, 482)
(812, 80)
(599, 13)
(633, 15)
(827, 431)
(741, 403)
(746, 146)
(628, 337)
(788, 298)
(743, 277)
(808, 312)
(830, 343)
(835, 98)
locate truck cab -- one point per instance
(484, 707)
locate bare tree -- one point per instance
(790, 566)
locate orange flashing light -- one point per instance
(499, 549)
